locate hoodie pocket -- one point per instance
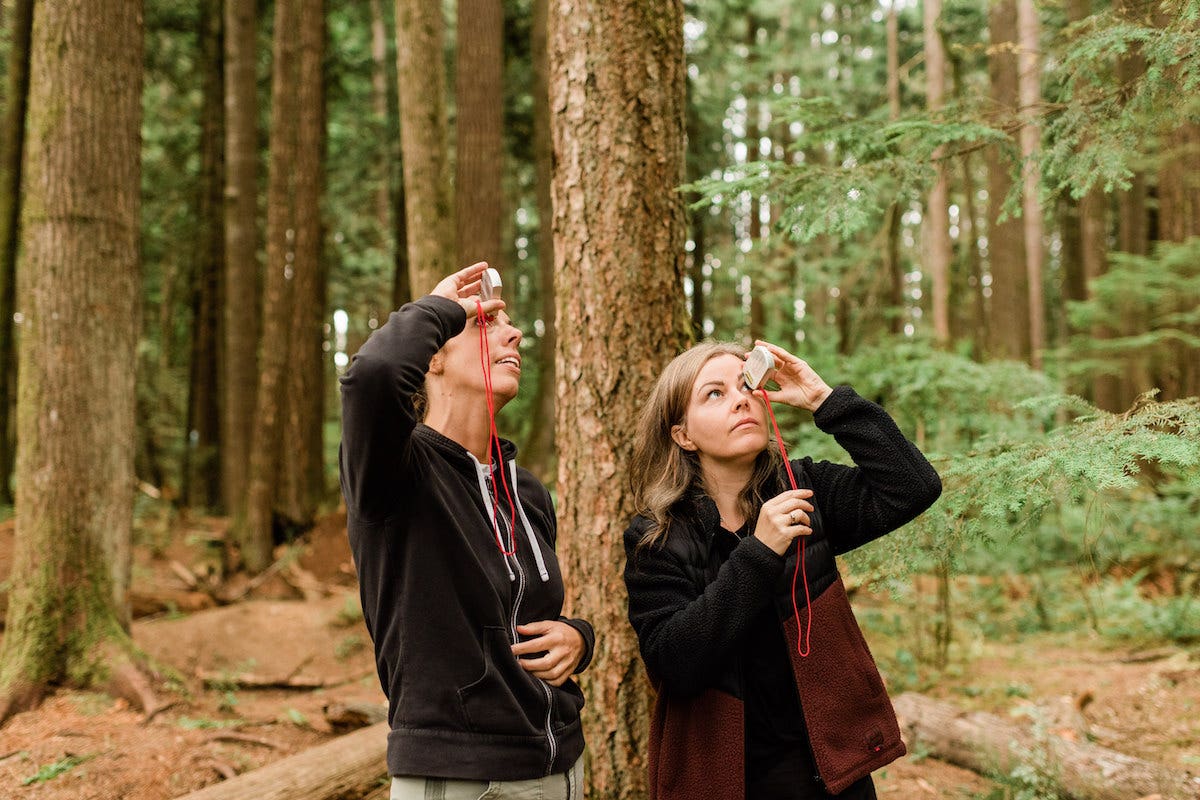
(505, 699)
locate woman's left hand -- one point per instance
(560, 644)
(799, 384)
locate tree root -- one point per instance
(131, 677)
(20, 696)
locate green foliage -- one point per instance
(1148, 310)
(51, 771)
(1100, 130)
(871, 162)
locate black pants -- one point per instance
(787, 780)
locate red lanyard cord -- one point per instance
(485, 358)
(803, 643)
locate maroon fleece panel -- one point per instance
(851, 723)
(697, 747)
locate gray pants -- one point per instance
(563, 786)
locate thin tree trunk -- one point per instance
(936, 226)
(12, 148)
(68, 612)
(241, 299)
(301, 473)
(1008, 318)
(1133, 227)
(428, 200)
(478, 167)
(617, 98)
(1029, 78)
(891, 255)
(379, 104)
(976, 308)
(201, 472)
(254, 525)
(540, 449)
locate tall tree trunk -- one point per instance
(379, 105)
(617, 98)
(254, 524)
(936, 226)
(756, 264)
(1029, 83)
(1008, 331)
(241, 309)
(1178, 220)
(12, 148)
(401, 293)
(975, 309)
(539, 456)
(301, 473)
(428, 202)
(1133, 224)
(480, 93)
(891, 253)
(68, 612)
(201, 473)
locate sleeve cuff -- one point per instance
(589, 642)
(840, 401)
(451, 315)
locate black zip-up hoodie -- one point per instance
(440, 599)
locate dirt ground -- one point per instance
(302, 624)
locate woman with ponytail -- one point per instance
(766, 689)
(454, 548)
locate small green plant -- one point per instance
(349, 614)
(51, 771)
(348, 646)
(228, 701)
(296, 718)
(196, 724)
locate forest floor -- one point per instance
(302, 624)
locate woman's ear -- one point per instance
(679, 434)
(437, 364)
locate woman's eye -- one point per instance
(713, 393)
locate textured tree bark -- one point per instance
(539, 451)
(12, 148)
(68, 612)
(936, 225)
(253, 523)
(202, 464)
(428, 200)
(988, 744)
(241, 316)
(1029, 79)
(617, 101)
(478, 168)
(301, 468)
(1008, 331)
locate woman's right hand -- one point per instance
(463, 288)
(784, 517)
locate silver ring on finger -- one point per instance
(792, 518)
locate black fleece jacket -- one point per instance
(440, 599)
(690, 606)
(697, 603)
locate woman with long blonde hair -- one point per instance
(740, 613)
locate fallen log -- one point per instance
(249, 680)
(348, 766)
(989, 744)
